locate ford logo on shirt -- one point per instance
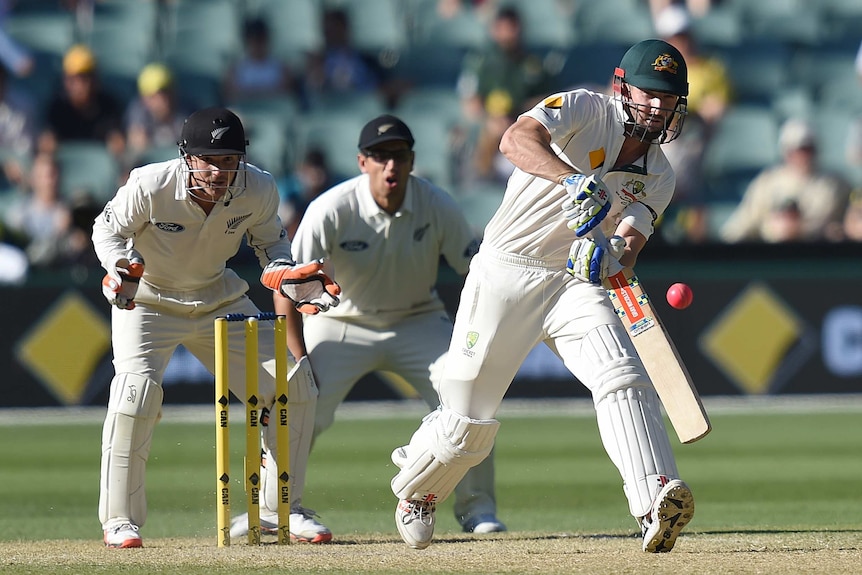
(170, 227)
(354, 245)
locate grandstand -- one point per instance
(786, 57)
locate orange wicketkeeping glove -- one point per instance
(120, 285)
(310, 289)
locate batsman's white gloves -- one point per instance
(587, 204)
(310, 289)
(590, 262)
(120, 284)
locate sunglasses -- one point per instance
(383, 156)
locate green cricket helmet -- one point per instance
(654, 66)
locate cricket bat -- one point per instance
(666, 369)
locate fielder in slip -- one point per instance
(538, 278)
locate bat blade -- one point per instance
(671, 379)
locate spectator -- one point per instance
(854, 137)
(311, 178)
(13, 264)
(17, 132)
(41, 217)
(13, 56)
(258, 73)
(852, 223)
(697, 7)
(340, 66)
(485, 163)
(154, 119)
(83, 111)
(504, 69)
(771, 202)
(709, 95)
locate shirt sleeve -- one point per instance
(123, 217)
(567, 112)
(267, 237)
(314, 235)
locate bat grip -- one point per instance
(614, 267)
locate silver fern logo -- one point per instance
(233, 223)
(219, 132)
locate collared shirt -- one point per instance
(184, 249)
(385, 264)
(587, 134)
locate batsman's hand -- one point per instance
(120, 284)
(587, 204)
(306, 285)
(591, 262)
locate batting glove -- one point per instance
(120, 284)
(590, 262)
(587, 204)
(310, 289)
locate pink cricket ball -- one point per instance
(679, 295)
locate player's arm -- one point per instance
(527, 144)
(295, 340)
(121, 219)
(635, 242)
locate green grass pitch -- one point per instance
(761, 478)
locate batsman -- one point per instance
(164, 240)
(584, 161)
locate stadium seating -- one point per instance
(745, 142)
(600, 22)
(87, 167)
(293, 33)
(479, 203)
(786, 58)
(375, 25)
(465, 30)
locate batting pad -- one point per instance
(302, 401)
(634, 436)
(440, 453)
(133, 410)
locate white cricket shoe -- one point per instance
(123, 536)
(303, 526)
(415, 522)
(482, 524)
(672, 510)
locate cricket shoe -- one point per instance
(123, 536)
(482, 524)
(303, 527)
(415, 522)
(672, 510)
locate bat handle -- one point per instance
(598, 236)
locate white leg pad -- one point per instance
(134, 409)
(440, 453)
(302, 401)
(633, 433)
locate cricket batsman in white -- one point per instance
(584, 160)
(164, 240)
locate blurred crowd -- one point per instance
(79, 109)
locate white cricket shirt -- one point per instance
(184, 249)
(585, 133)
(385, 264)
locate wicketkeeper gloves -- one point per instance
(310, 289)
(120, 284)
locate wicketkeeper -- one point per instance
(164, 240)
